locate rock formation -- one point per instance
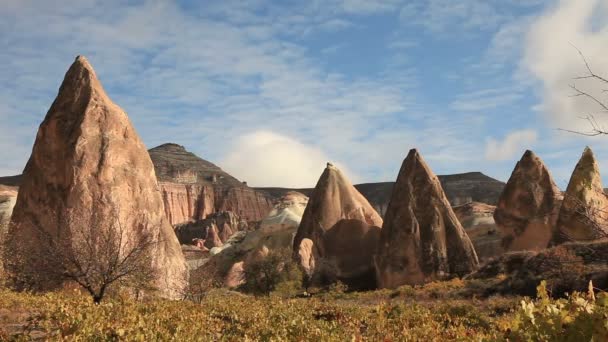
(584, 211)
(528, 207)
(194, 188)
(343, 229)
(89, 168)
(421, 239)
(477, 219)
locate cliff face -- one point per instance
(194, 188)
(187, 202)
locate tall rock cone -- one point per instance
(528, 207)
(421, 239)
(338, 233)
(584, 212)
(90, 178)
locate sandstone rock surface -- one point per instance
(88, 163)
(422, 239)
(477, 219)
(528, 207)
(583, 215)
(343, 229)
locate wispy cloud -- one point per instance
(513, 144)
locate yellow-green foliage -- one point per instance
(580, 317)
(374, 316)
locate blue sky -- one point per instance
(271, 90)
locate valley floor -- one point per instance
(439, 311)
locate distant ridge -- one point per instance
(460, 188)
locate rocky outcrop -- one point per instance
(90, 169)
(216, 229)
(459, 188)
(194, 188)
(343, 229)
(528, 207)
(583, 215)
(422, 239)
(477, 219)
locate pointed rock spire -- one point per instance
(528, 207)
(584, 212)
(90, 169)
(342, 228)
(421, 239)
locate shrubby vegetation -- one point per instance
(277, 270)
(408, 313)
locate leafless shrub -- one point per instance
(85, 250)
(595, 127)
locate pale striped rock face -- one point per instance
(89, 167)
(477, 219)
(8, 197)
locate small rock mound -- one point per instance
(422, 239)
(529, 205)
(343, 229)
(584, 212)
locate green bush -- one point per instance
(263, 274)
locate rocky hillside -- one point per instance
(459, 188)
(173, 163)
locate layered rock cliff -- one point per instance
(528, 207)
(194, 188)
(89, 177)
(422, 239)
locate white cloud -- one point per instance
(513, 144)
(265, 158)
(551, 59)
(485, 99)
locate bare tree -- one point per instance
(595, 127)
(88, 251)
